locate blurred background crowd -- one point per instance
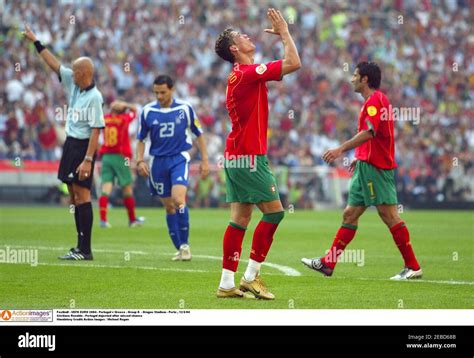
(425, 49)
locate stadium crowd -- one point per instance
(425, 49)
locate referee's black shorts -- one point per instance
(74, 151)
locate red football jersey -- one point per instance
(247, 103)
(116, 139)
(376, 115)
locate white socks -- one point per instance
(252, 270)
(227, 279)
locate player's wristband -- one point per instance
(88, 158)
(140, 161)
(39, 46)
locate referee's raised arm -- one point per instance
(45, 54)
(84, 120)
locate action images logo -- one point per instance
(7, 315)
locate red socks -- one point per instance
(263, 235)
(401, 236)
(128, 202)
(346, 233)
(103, 202)
(262, 240)
(130, 205)
(233, 237)
(343, 237)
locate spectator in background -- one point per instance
(13, 144)
(47, 140)
(416, 58)
(203, 192)
(27, 150)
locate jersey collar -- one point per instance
(88, 88)
(173, 102)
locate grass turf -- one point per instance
(132, 266)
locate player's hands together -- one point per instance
(204, 169)
(143, 169)
(29, 34)
(279, 24)
(331, 155)
(84, 169)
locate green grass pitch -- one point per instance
(132, 266)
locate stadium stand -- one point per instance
(426, 58)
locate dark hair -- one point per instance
(224, 41)
(372, 71)
(164, 79)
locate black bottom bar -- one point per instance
(358, 341)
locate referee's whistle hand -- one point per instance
(84, 170)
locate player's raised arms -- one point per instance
(291, 61)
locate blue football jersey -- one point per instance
(169, 128)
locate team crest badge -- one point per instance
(261, 69)
(372, 111)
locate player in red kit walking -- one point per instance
(373, 182)
(116, 160)
(249, 181)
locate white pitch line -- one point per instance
(287, 271)
(49, 248)
(77, 264)
(74, 264)
(151, 268)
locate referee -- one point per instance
(83, 124)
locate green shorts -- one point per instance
(372, 186)
(250, 180)
(115, 166)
